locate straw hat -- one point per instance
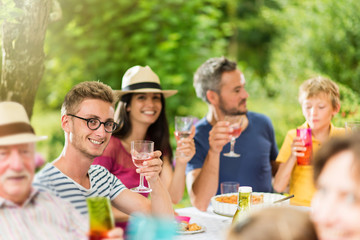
(15, 126)
(140, 79)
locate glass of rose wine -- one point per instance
(140, 152)
(183, 126)
(236, 122)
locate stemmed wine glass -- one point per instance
(140, 152)
(183, 127)
(236, 122)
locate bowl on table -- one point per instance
(226, 204)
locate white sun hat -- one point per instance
(15, 126)
(140, 79)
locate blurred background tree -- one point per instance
(23, 32)
(277, 43)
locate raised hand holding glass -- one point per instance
(140, 152)
(236, 122)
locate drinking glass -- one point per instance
(140, 152)
(236, 122)
(100, 216)
(229, 187)
(351, 127)
(183, 126)
(305, 136)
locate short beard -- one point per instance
(232, 111)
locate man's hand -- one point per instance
(151, 168)
(219, 136)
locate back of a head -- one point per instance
(313, 87)
(208, 75)
(86, 90)
(278, 223)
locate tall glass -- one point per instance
(100, 216)
(236, 122)
(305, 135)
(140, 152)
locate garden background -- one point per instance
(277, 43)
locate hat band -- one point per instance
(141, 85)
(15, 128)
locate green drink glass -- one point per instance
(100, 216)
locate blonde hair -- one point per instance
(276, 223)
(315, 86)
(86, 90)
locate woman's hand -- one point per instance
(151, 168)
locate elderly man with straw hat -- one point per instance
(26, 213)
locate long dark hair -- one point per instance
(158, 132)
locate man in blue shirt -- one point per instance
(222, 86)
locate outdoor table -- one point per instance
(216, 225)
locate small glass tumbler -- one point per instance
(229, 187)
(351, 127)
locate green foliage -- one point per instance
(278, 44)
(8, 11)
(48, 124)
(315, 38)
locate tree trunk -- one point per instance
(23, 53)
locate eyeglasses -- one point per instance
(93, 123)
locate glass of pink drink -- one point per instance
(183, 126)
(140, 152)
(236, 126)
(306, 138)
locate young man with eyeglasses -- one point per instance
(87, 120)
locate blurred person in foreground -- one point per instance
(320, 102)
(221, 85)
(141, 115)
(336, 204)
(87, 118)
(276, 223)
(26, 213)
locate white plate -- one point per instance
(192, 232)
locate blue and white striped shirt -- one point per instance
(102, 183)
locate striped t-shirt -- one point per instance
(102, 183)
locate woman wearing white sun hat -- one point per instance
(141, 115)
